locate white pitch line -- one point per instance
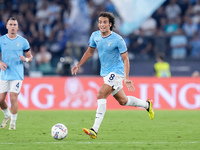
(189, 142)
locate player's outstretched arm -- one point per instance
(75, 69)
(89, 53)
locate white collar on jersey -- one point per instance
(12, 38)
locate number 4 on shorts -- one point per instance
(17, 85)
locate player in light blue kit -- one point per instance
(12, 48)
(115, 67)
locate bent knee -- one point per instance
(2, 101)
(122, 102)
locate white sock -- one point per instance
(133, 101)
(13, 119)
(6, 112)
(101, 110)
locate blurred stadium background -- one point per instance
(58, 32)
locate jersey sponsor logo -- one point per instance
(109, 43)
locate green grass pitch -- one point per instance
(120, 130)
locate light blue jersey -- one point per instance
(109, 49)
(10, 50)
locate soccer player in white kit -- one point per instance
(115, 68)
(12, 48)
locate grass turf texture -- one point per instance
(124, 130)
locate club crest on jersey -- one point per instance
(18, 44)
(109, 43)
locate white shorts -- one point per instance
(10, 86)
(115, 81)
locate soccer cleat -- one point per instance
(5, 122)
(90, 132)
(150, 109)
(12, 127)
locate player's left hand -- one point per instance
(129, 85)
(22, 58)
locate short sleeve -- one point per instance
(26, 45)
(122, 46)
(91, 41)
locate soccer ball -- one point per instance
(59, 131)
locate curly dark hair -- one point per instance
(110, 17)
